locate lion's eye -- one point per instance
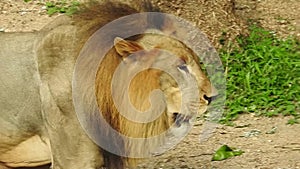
(183, 67)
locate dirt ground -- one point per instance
(279, 150)
(280, 16)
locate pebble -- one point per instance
(283, 21)
(178, 12)
(23, 13)
(252, 133)
(2, 29)
(272, 131)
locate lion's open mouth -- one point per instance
(180, 119)
(182, 124)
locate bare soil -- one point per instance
(280, 16)
(279, 150)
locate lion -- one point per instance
(38, 120)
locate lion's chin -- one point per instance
(180, 131)
(173, 136)
(203, 109)
(181, 125)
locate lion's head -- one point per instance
(148, 84)
(164, 63)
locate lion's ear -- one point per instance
(125, 47)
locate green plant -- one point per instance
(62, 7)
(225, 152)
(293, 121)
(263, 75)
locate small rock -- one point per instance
(23, 13)
(283, 22)
(184, 166)
(178, 12)
(2, 29)
(251, 133)
(272, 131)
(44, 8)
(166, 160)
(243, 125)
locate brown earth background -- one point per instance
(216, 18)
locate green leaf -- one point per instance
(62, 10)
(225, 152)
(49, 4)
(52, 11)
(71, 10)
(75, 3)
(293, 121)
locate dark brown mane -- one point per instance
(88, 21)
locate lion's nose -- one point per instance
(210, 99)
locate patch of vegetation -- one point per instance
(263, 76)
(225, 152)
(62, 7)
(293, 121)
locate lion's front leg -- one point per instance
(70, 147)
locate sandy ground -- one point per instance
(280, 16)
(280, 150)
